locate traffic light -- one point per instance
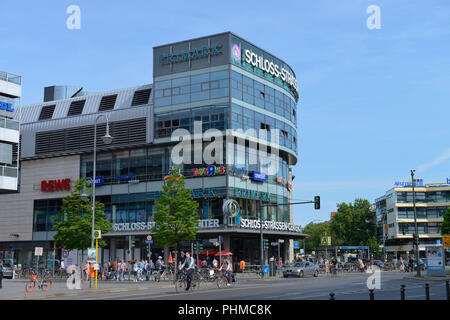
(132, 244)
(317, 202)
(415, 237)
(266, 244)
(200, 245)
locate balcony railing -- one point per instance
(8, 172)
(9, 124)
(10, 77)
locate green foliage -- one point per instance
(315, 232)
(373, 245)
(74, 223)
(176, 218)
(445, 227)
(353, 224)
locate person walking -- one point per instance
(115, 270)
(91, 274)
(135, 271)
(86, 270)
(1, 273)
(402, 265)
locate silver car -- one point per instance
(301, 269)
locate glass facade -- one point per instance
(205, 86)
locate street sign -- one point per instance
(149, 237)
(296, 244)
(274, 243)
(446, 241)
(38, 251)
(281, 240)
(149, 241)
(266, 269)
(97, 234)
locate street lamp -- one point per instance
(416, 231)
(107, 139)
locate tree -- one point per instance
(315, 232)
(445, 227)
(353, 224)
(74, 222)
(373, 245)
(176, 218)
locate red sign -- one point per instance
(55, 185)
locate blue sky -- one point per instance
(374, 104)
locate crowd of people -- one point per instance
(118, 269)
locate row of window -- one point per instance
(152, 164)
(243, 118)
(131, 208)
(265, 97)
(422, 213)
(107, 103)
(212, 117)
(435, 196)
(423, 228)
(205, 86)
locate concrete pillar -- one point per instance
(290, 250)
(226, 243)
(112, 250)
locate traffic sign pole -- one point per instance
(96, 262)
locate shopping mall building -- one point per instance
(395, 216)
(221, 80)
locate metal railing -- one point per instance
(9, 124)
(8, 171)
(10, 77)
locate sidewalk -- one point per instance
(15, 289)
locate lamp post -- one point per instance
(107, 139)
(416, 229)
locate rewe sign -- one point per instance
(55, 185)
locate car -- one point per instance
(301, 269)
(7, 271)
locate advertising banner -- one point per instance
(435, 260)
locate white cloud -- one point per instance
(444, 156)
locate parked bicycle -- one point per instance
(42, 283)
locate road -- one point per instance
(345, 287)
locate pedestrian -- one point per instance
(361, 265)
(135, 270)
(402, 264)
(152, 266)
(115, 269)
(204, 263)
(215, 263)
(91, 274)
(146, 269)
(1, 273)
(86, 270)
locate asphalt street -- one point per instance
(344, 286)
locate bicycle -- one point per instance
(44, 283)
(181, 282)
(222, 281)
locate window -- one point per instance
(76, 108)
(107, 102)
(141, 97)
(47, 112)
